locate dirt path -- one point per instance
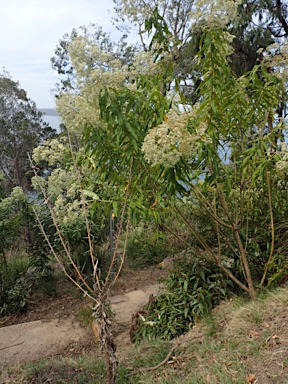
(28, 341)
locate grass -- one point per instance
(243, 342)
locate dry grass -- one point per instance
(263, 322)
(245, 342)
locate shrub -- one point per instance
(147, 246)
(192, 289)
(15, 286)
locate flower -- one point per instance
(177, 137)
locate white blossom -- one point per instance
(276, 58)
(282, 164)
(215, 13)
(53, 151)
(174, 139)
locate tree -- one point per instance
(273, 14)
(217, 145)
(81, 184)
(81, 213)
(62, 62)
(21, 130)
(227, 139)
(258, 24)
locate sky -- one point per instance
(30, 31)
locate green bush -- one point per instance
(147, 246)
(192, 289)
(19, 278)
(15, 286)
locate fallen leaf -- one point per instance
(250, 378)
(266, 325)
(275, 337)
(254, 334)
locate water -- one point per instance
(51, 117)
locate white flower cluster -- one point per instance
(96, 70)
(171, 140)
(53, 151)
(64, 193)
(138, 10)
(68, 213)
(282, 164)
(276, 58)
(215, 13)
(144, 63)
(64, 190)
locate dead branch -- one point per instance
(163, 362)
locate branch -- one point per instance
(272, 228)
(118, 235)
(198, 236)
(214, 258)
(60, 262)
(88, 228)
(154, 368)
(53, 216)
(281, 17)
(208, 208)
(243, 254)
(140, 33)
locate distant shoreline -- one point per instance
(51, 117)
(49, 111)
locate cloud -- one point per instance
(30, 31)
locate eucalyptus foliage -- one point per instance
(240, 115)
(228, 141)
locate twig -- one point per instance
(61, 237)
(88, 227)
(10, 346)
(272, 228)
(163, 362)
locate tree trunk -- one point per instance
(106, 339)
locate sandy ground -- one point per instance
(28, 341)
(25, 342)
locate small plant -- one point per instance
(41, 272)
(15, 286)
(191, 290)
